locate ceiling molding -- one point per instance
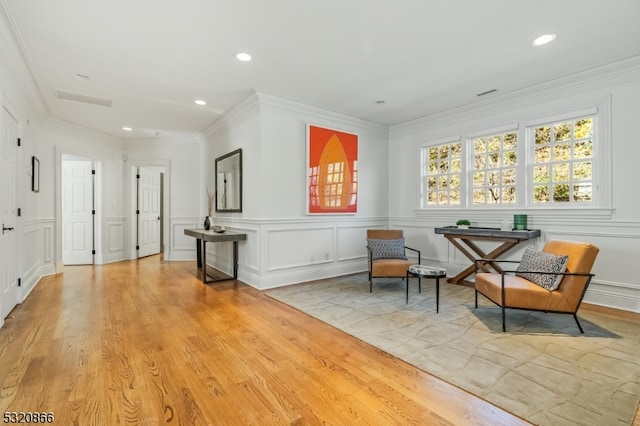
(32, 85)
(557, 90)
(103, 139)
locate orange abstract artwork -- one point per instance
(332, 171)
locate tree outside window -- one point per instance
(563, 162)
(441, 174)
(494, 168)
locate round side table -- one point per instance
(423, 271)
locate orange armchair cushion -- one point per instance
(523, 294)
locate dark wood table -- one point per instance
(463, 240)
(202, 238)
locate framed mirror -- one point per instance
(229, 182)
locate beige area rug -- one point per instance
(542, 369)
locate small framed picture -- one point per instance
(35, 174)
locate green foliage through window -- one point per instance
(563, 166)
(494, 169)
(559, 167)
(442, 177)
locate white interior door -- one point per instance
(148, 211)
(9, 291)
(77, 212)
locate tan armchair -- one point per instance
(387, 254)
(510, 291)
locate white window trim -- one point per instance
(469, 154)
(602, 205)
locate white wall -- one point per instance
(183, 191)
(59, 138)
(285, 245)
(20, 96)
(614, 228)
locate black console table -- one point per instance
(463, 240)
(202, 238)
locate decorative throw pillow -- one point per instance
(540, 261)
(386, 249)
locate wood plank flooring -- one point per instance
(146, 343)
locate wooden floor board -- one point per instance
(146, 343)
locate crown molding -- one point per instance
(103, 139)
(28, 78)
(605, 76)
(244, 109)
(267, 100)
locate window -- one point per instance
(442, 174)
(563, 162)
(551, 162)
(494, 169)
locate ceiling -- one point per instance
(382, 61)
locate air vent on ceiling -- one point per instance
(487, 92)
(67, 96)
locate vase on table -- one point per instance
(520, 222)
(207, 223)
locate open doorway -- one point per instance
(149, 198)
(149, 211)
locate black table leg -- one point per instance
(437, 294)
(235, 260)
(204, 261)
(407, 280)
(198, 253)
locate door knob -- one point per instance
(6, 228)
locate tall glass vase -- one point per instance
(207, 223)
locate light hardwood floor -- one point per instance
(146, 343)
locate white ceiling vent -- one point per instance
(67, 96)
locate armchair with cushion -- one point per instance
(553, 280)
(387, 255)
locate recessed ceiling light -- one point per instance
(380, 102)
(242, 56)
(201, 102)
(127, 129)
(543, 39)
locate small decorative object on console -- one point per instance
(520, 222)
(463, 224)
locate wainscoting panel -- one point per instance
(32, 256)
(37, 258)
(351, 242)
(182, 246)
(115, 240)
(290, 248)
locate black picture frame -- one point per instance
(35, 174)
(228, 176)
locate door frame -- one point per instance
(131, 170)
(13, 112)
(97, 197)
(94, 219)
